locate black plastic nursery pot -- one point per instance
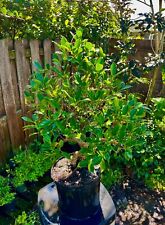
(79, 201)
(76, 197)
(50, 214)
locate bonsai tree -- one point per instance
(80, 101)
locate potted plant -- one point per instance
(77, 110)
(71, 102)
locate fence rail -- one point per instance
(15, 69)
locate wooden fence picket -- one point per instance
(47, 52)
(16, 133)
(23, 74)
(22, 71)
(35, 53)
(2, 108)
(5, 143)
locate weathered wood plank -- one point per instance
(47, 52)
(16, 134)
(23, 71)
(5, 144)
(2, 108)
(15, 83)
(28, 61)
(14, 76)
(35, 53)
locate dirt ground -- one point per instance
(138, 205)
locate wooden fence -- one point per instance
(15, 69)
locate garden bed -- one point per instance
(136, 204)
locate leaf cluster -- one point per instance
(6, 194)
(30, 165)
(27, 219)
(79, 99)
(41, 19)
(148, 22)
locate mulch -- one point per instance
(137, 204)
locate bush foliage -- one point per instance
(66, 97)
(41, 19)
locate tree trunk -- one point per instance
(159, 40)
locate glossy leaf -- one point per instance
(113, 69)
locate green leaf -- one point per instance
(101, 52)
(77, 45)
(83, 163)
(96, 160)
(133, 112)
(100, 119)
(60, 126)
(90, 165)
(44, 123)
(47, 138)
(57, 71)
(32, 83)
(4, 10)
(27, 119)
(102, 165)
(66, 93)
(115, 129)
(122, 132)
(40, 96)
(125, 87)
(107, 156)
(55, 104)
(99, 67)
(39, 76)
(66, 22)
(128, 154)
(27, 93)
(131, 102)
(55, 57)
(113, 69)
(125, 110)
(65, 43)
(56, 115)
(79, 32)
(37, 65)
(35, 117)
(29, 127)
(89, 45)
(140, 112)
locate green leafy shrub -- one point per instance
(82, 101)
(43, 19)
(159, 113)
(6, 194)
(27, 219)
(79, 100)
(29, 166)
(155, 159)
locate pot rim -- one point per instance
(62, 183)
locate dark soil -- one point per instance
(64, 171)
(80, 177)
(138, 205)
